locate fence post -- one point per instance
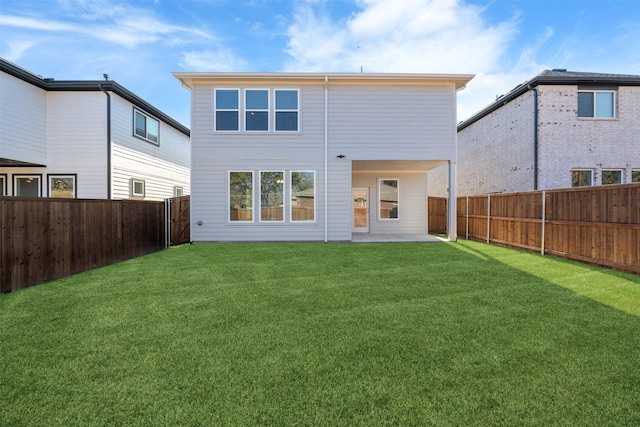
(467, 219)
(488, 217)
(543, 222)
(167, 223)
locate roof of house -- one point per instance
(460, 80)
(50, 84)
(554, 77)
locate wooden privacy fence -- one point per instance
(45, 239)
(177, 221)
(598, 225)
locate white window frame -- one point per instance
(380, 199)
(595, 104)
(177, 190)
(286, 110)
(591, 173)
(239, 111)
(315, 195)
(253, 197)
(16, 177)
(74, 177)
(137, 195)
(284, 196)
(147, 118)
(635, 171)
(258, 110)
(620, 171)
(3, 184)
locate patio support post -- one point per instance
(451, 204)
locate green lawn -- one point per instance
(325, 335)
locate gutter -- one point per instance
(108, 140)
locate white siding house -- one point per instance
(316, 157)
(79, 139)
(557, 130)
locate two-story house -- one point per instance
(317, 157)
(557, 130)
(86, 139)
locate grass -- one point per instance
(328, 335)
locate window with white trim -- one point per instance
(271, 196)
(581, 177)
(3, 185)
(286, 110)
(62, 186)
(599, 104)
(635, 175)
(137, 188)
(178, 191)
(388, 196)
(240, 196)
(27, 186)
(227, 109)
(146, 127)
(303, 196)
(611, 176)
(256, 110)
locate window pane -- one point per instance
(271, 196)
(257, 120)
(286, 100)
(287, 121)
(27, 187)
(226, 120)
(580, 178)
(303, 195)
(226, 99)
(153, 129)
(585, 104)
(604, 104)
(241, 196)
(61, 186)
(3, 185)
(611, 177)
(635, 176)
(257, 100)
(138, 188)
(141, 125)
(388, 199)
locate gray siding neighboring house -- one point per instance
(303, 156)
(557, 130)
(80, 139)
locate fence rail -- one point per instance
(599, 225)
(45, 239)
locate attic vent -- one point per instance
(561, 70)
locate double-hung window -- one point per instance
(146, 127)
(598, 104)
(286, 110)
(256, 110)
(227, 109)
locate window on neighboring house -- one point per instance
(388, 198)
(303, 196)
(137, 188)
(146, 127)
(27, 186)
(272, 196)
(177, 191)
(63, 186)
(635, 175)
(256, 110)
(581, 178)
(3, 185)
(596, 104)
(227, 109)
(286, 109)
(611, 176)
(240, 196)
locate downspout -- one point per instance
(108, 141)
(326, 159)
(535, 136)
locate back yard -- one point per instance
(325, 334)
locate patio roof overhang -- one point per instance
(406, 166)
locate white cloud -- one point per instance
(219, 60)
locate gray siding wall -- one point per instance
(23, 121)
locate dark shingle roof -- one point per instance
(554, 77)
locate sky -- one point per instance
(139, 43)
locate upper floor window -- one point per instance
(286, 110)
(227, 109)
(596, 104)
(145, 126)
(256, 110)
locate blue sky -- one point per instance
(139, 43)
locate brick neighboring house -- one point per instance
(557, 130)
